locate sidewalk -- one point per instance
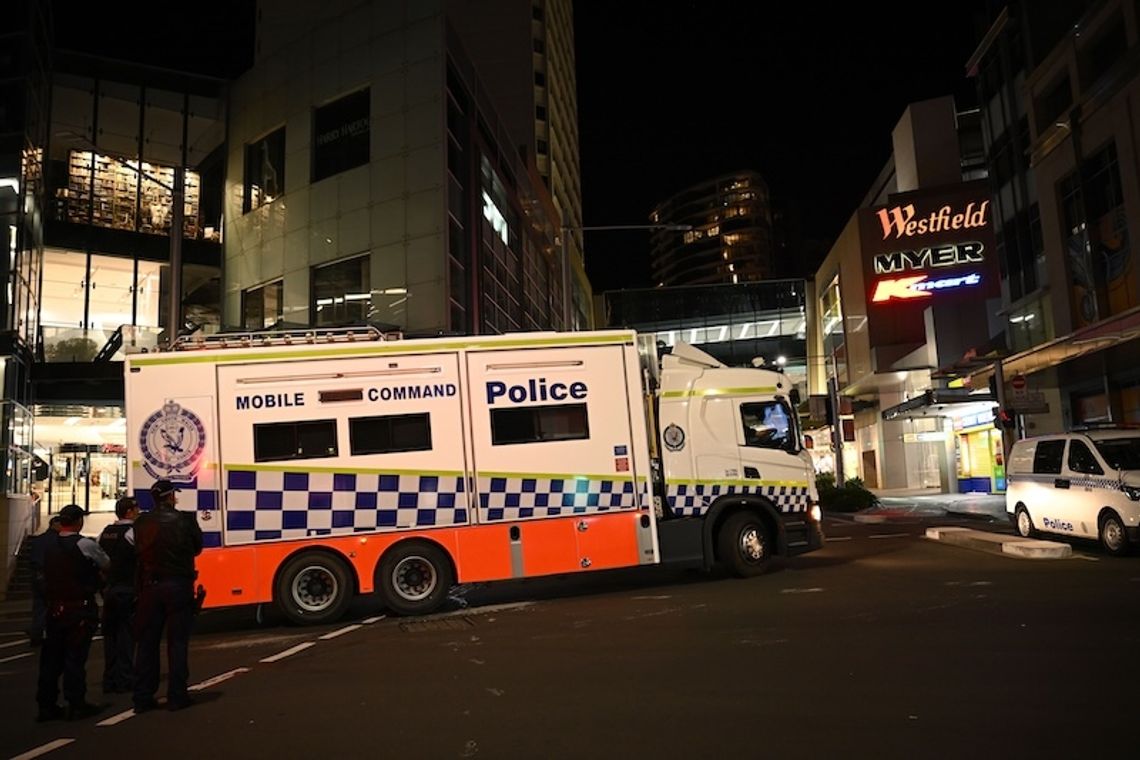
(928, 505)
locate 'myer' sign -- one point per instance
(924, 248)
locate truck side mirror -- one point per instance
(794, 397)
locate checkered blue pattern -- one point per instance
(517, 498)
(205, 502)
(265, 505)
(694, 499)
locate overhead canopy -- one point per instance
(940, 402)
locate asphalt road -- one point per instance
(884, 644)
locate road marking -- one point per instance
(813, 590)
(43, 749)
(218, 679)
(371, 620)
(839, 538)
(1087, 558)
(341, 632)
(888, 535)
(288, 652)
(17, 657)
(657, 596)
(12, 644)
(124, 715)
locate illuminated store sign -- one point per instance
(904, 288)
(924, 249)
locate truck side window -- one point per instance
(1048, 456)
(278, 441)
(533, 424)
(1082, 460)
(766, 425)
(389, 434)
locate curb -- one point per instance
(1013, 546)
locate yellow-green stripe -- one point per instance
(773, 483)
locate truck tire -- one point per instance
(314, 588)
(414, 578)
(1113, 537)
(743, 544)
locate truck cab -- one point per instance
(730, 444)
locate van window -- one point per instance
(1120, 453)
(1047, 458)
(389, 434)
(767, 425)
(1082, 460)
(533, 424)
(309, 439)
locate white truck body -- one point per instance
(500, 457)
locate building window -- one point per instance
(264, 170)
(542, 146)
(536, 12)
(540, 78)
(263, 306)
(341, 132)
(342, 292)
(540, 112)
(539, 46)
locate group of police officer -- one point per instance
(143, 566)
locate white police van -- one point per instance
(1084, 484)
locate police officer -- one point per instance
(166, 542)
(39, 603)
(72, 565)
(118, 540)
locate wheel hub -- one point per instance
(414, 578)
(751, 546)
(314, 589)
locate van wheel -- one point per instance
(744, 545)
(314, 588)
(1023, 522)
(414, 578)
(1112, 535)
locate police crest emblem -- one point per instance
(172, 441)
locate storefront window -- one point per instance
(341, 135)
(342, 292)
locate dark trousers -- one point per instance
(118, 638)
(169, 604)
(39, 610)
(67, 642)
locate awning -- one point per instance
(1107, 333)
(940, 402)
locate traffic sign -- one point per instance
(1017, 383)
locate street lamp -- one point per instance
(566, 230)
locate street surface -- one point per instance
(883, 644)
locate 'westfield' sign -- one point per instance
(923, 249)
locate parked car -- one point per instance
(1085, 483)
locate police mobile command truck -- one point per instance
(1085, 484)
(327, 463)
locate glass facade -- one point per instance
(733, 323)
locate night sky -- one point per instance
(673, 93)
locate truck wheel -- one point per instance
(1112, 535)
(314, 588)
(414, 578)
(744, 544)
(1023, 522)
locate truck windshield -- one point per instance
(1120, 453)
